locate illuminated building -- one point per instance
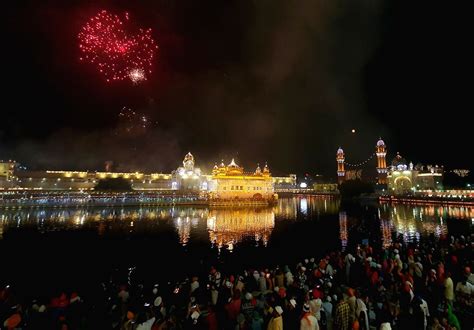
(326, 188)
(230, 182)
(406, 179)
(225, 182)
(7, 177)
(284, 182)
(401, 178)
(381, 152)
(341, 173)
(84, 180)
(188, 177)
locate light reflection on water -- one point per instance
(414, 222)
(227, 228)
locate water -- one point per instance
(45, 251)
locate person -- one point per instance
(452, 318)
(288, 276)
(351, 300)
(276, 322)
(469, 275)
(262, 282)
(341, 319)
(123, 294)
(279, 278)
(130, 323)
(464, 293)
(248, 305)
(147, 323)
(13, 321)
(233, 307)
(361, 313)
(194, 284)
(349, 259)
(327, 308)
(215, 283)
(211, 319)
(74, 311)
(448, 288)
(315, 307)
(256, 322)
(426, 312)
(292, 315)
(308, 320)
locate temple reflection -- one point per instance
(286, 209)
(227, 227)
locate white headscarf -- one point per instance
(361, 307)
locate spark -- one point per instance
(137, 76)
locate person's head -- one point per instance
(292, 303)
(277, 311)
(306, 308)
(467, 270)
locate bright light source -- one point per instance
(303, 185)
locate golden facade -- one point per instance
(231, 182)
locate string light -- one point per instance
(361, 163)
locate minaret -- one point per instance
(381, 151)
(341, 172)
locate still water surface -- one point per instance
(71, 249)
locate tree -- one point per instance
(354, 188)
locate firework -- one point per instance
(132, 123)
(108, 42)
(137, 75)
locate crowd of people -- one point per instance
(428, 285)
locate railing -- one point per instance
(468, 201)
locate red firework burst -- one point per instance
(106, 42)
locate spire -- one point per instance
(266, 169)
(233, 164)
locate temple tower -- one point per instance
(381, 152)
(341, 172)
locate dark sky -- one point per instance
(262, 80)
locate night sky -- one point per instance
(263, 80)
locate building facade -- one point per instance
(188, 177)
(405, 178)
(282, 183)
(231, 182)
(224, 182)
